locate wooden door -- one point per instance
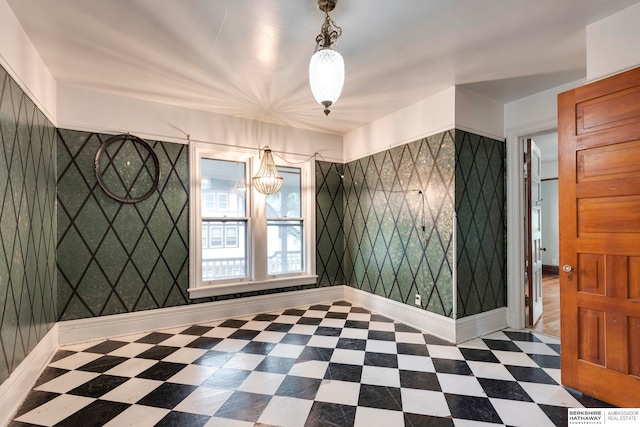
(599, 177)
(534, 225)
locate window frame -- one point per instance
(256, 233)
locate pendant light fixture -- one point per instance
(267, 180)
(326, 68)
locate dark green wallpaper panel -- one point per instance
(481, 235)
(398, 222)
(329, 218)
(114, 257)
(27, 225)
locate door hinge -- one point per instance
(526, 158)
(527, 301)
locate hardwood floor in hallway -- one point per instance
(549, 322)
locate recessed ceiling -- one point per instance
(249, 58)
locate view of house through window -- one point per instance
(224, 219)
(284, 225)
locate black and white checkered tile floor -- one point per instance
(324, 365)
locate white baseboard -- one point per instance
(14, 389)
(431, 323)
(96, 328)
(480, 324)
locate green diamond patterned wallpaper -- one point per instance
(398, 222)
(329, 219)
(115, 257)
(27, 225)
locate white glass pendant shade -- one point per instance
(326, 76)
(267, 180)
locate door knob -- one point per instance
(567, 268)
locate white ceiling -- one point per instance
(249, 58)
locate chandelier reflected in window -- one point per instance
(267, 180)
(326, 68)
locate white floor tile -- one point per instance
(192, 375)
(286, 411)
(83, 345)
(256, 325)
(333, 323)
(285, 318)
(349, 357)
(132, 391)
(342, 392)
(67, 382)
(75, 360)
(424, 402)
(287, 350)
(131, 367)
(460, 384)
(497, 336)
(316, 314)
(444, 352)
(262, 383)
(131, 350)
(549, 394)
(323, 341)
(225, 422)
(490, 370)
(310, 369)
(205, 401)
(382, 326)
(245, 361)
(368, 417)
(360, 334)
(514, 358)
(554, 373)
(410, 337)
(138, 416)
(184, 355)
(376, 375)
(522, 414)
(476, 343)
(535, 348)
(378, 346)
(55, 410)
(219, 332)
(230, 345)
(359, 317)
(340, 308)
(303, 329)
(179, 340)
(409, 362)
(269, 336)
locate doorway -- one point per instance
(547, 251)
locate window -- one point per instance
(249, 241)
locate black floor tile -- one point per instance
(343, 372)
(61, 354)
(529, 374)
(412, 349)
(472, 408)
(501, 345)
(479, 355)
(449, 366)
(546, 361)
(99, 386)
(233, 323)
(521, 336)
(558, 415)
(419, 380)
(373, 396)
(196, 330)
(320, 307)
(331, 415)
(297, 339)
(258, 347)
(356, 309)
(227, 378)
(430, 339)
(336, 315)
(213, 358)
(383, 360)
(96, 414)
(206, 343)
(299, 387)
(167, 396)
(401, 327)
(265, 317)
(416, 420)
(276, 365)
(504, 389)
(243, 406)
(316, 353)
(49, 374)
(382, 335)
(312, 321)
(183, 419)
(294, 312)
(356, 324)
(154, 338)
(244, 334)
(161, 371)
(352, 344)
(34, 399)
(279, 327)
(106, 347)
(328, 332)
(103, 363)
(157, 352)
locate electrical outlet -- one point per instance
(418, 299)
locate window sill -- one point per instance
(234, 288)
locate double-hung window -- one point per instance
(242, 240)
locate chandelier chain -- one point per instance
(329, 33)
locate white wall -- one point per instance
(82, 109)
(478, 114)
(613, 43)
(23, 63)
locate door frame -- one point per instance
(516, 137)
